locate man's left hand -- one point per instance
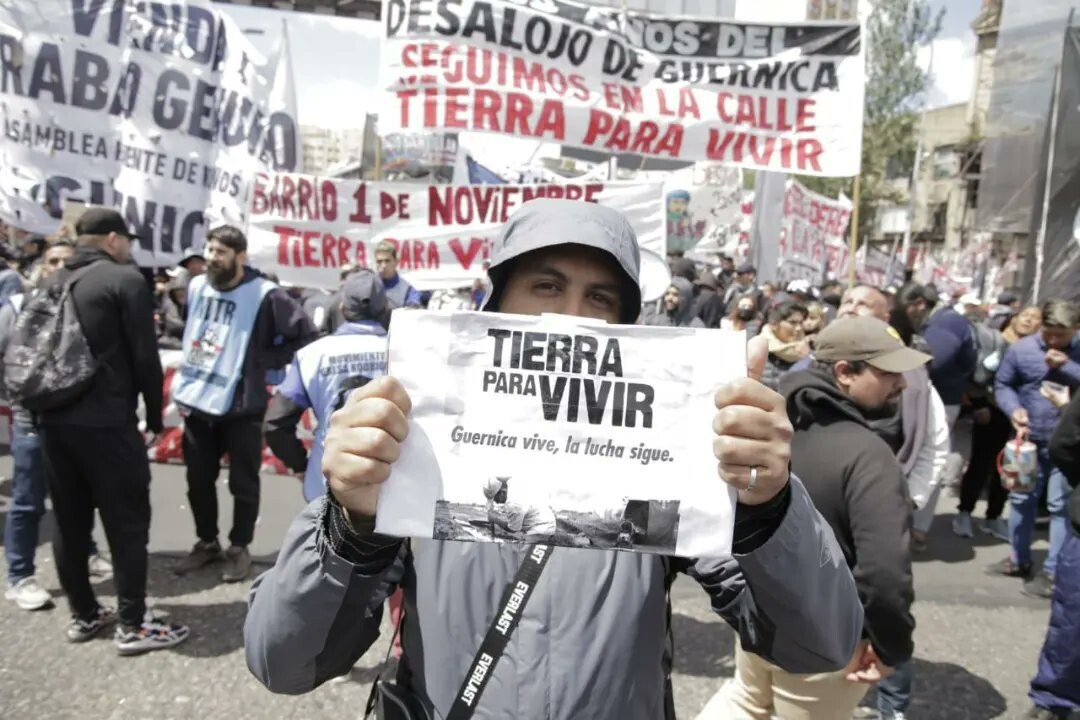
(753, 431)
(1056, 358)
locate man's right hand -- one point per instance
(866, 667)
(1019, 419)
(363, 441)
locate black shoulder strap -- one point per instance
(514, 599)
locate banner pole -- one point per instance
(854, 230)
(378, 157)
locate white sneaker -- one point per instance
(99, 566)
(998, 527)
(28, 594)
(961, 525)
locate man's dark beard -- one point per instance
(881, 412)
(221, 277)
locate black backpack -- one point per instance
(988, 341)
(48, 363)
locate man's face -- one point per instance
(727, 265)
(671, 299)
(54, 259)
(386, 265)
(119, 246)
(676, 206)
(864, 302)
(876, 392)
(223, 264)
(565, 279)
(745, 279)
(1058, 338)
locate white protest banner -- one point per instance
(785, 97)
(704, 209)
(305, 228)
(812, 238)
(560, 430)
(162, 111)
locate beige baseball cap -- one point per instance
(869, 340)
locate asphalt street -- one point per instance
(976, 644)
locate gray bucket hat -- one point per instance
(547, 222)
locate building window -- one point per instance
(945, 163)
(940, 217)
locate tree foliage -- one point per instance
(895, 90)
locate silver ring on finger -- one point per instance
(753, 479)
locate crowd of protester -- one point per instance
(895, 395)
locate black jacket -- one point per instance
(116, 311)
(281, 328)
(1065, 452)
(858, 487)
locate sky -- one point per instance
(336, 63)
(953, 53)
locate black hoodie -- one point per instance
(857, 485)
(116, 312)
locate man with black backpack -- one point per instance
(103, 354)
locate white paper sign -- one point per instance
(560, 430)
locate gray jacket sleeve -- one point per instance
(314, 614)
(792, 600)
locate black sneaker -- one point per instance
(1009, 569)
(201, 555)
(82, 630)
(237, 564)
(1041, 586)
(153, 634)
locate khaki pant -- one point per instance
(761, 690)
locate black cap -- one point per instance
(102, 221)
(363, 296)
(1007, 297)
(744, 269)
(193, 255)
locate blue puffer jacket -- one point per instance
(952, 343)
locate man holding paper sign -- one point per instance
(598, 620)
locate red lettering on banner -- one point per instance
(765, 113)
(259, 202)
(740, 147)
(514, 113)
(804, 113)
(810, 151)
(314, 200)
(465, 256)
(646, 140)
(329, 248)
(288, 187)
(360, 214)
(455, 109)
(623, 98)
(309, 248)
(314, 248)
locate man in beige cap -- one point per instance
(858, 486)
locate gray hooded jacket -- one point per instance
(592, 640)
(684, 313)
